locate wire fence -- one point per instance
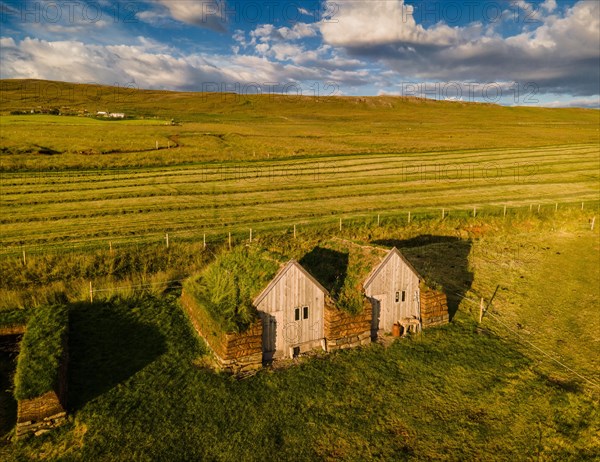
(229, 233)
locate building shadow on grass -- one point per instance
(9, 351)
(327, 266)
(442, 259)
(107, 345)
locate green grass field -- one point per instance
(465, 391)
(523, 385)
(269, 162)
(144, 204)
(216, 127)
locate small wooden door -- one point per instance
(279, 340)
(269, 336)
(380, 314)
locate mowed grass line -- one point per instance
(248, 189)
(515, 163)
(410, 195)
(322, 162)
(205, 181)
(211, 198)
(216, 230)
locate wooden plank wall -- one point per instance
(294, 290)
(395, 276)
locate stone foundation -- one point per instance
(434, 308)
(238, 354)
(41, 414)
(344, 330)
(12, 329)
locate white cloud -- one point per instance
(7, 42)
(151, 64)
(206, 13)
(381, 22)
(560, 54)
(592, 102)
(153, 17)
(549, 5)
(268, 32)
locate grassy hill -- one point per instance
(269, 162)
(216, 126)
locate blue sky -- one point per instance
(542, 52)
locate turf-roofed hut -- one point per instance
(41, 376)
(292, 308)
(220, 304)
(399, 296)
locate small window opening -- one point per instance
(297, 314)
(404, 295)
(305, 312)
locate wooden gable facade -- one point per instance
(292, 311)
(393, 289)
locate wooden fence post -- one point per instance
(250, 234)
(91, 293)
(157, 145)
(582, 206)
(378, 220)
(593, 223)
(443, 213)
(294, 231)
(167, 239)
(340, 224)
(24, 259)
(409, 217)
(539, 208)
(504, 211)
(481, 310)
(229, 240)
(556, 207)
(474, 212)
(204, 240)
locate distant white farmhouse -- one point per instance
(112, 115)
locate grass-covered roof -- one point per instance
(41, 352)
(13, 317)
(342, 266)
(226, 288)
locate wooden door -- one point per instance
(380, 313)
(279, 339)
(269, 336)
(376, 315)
